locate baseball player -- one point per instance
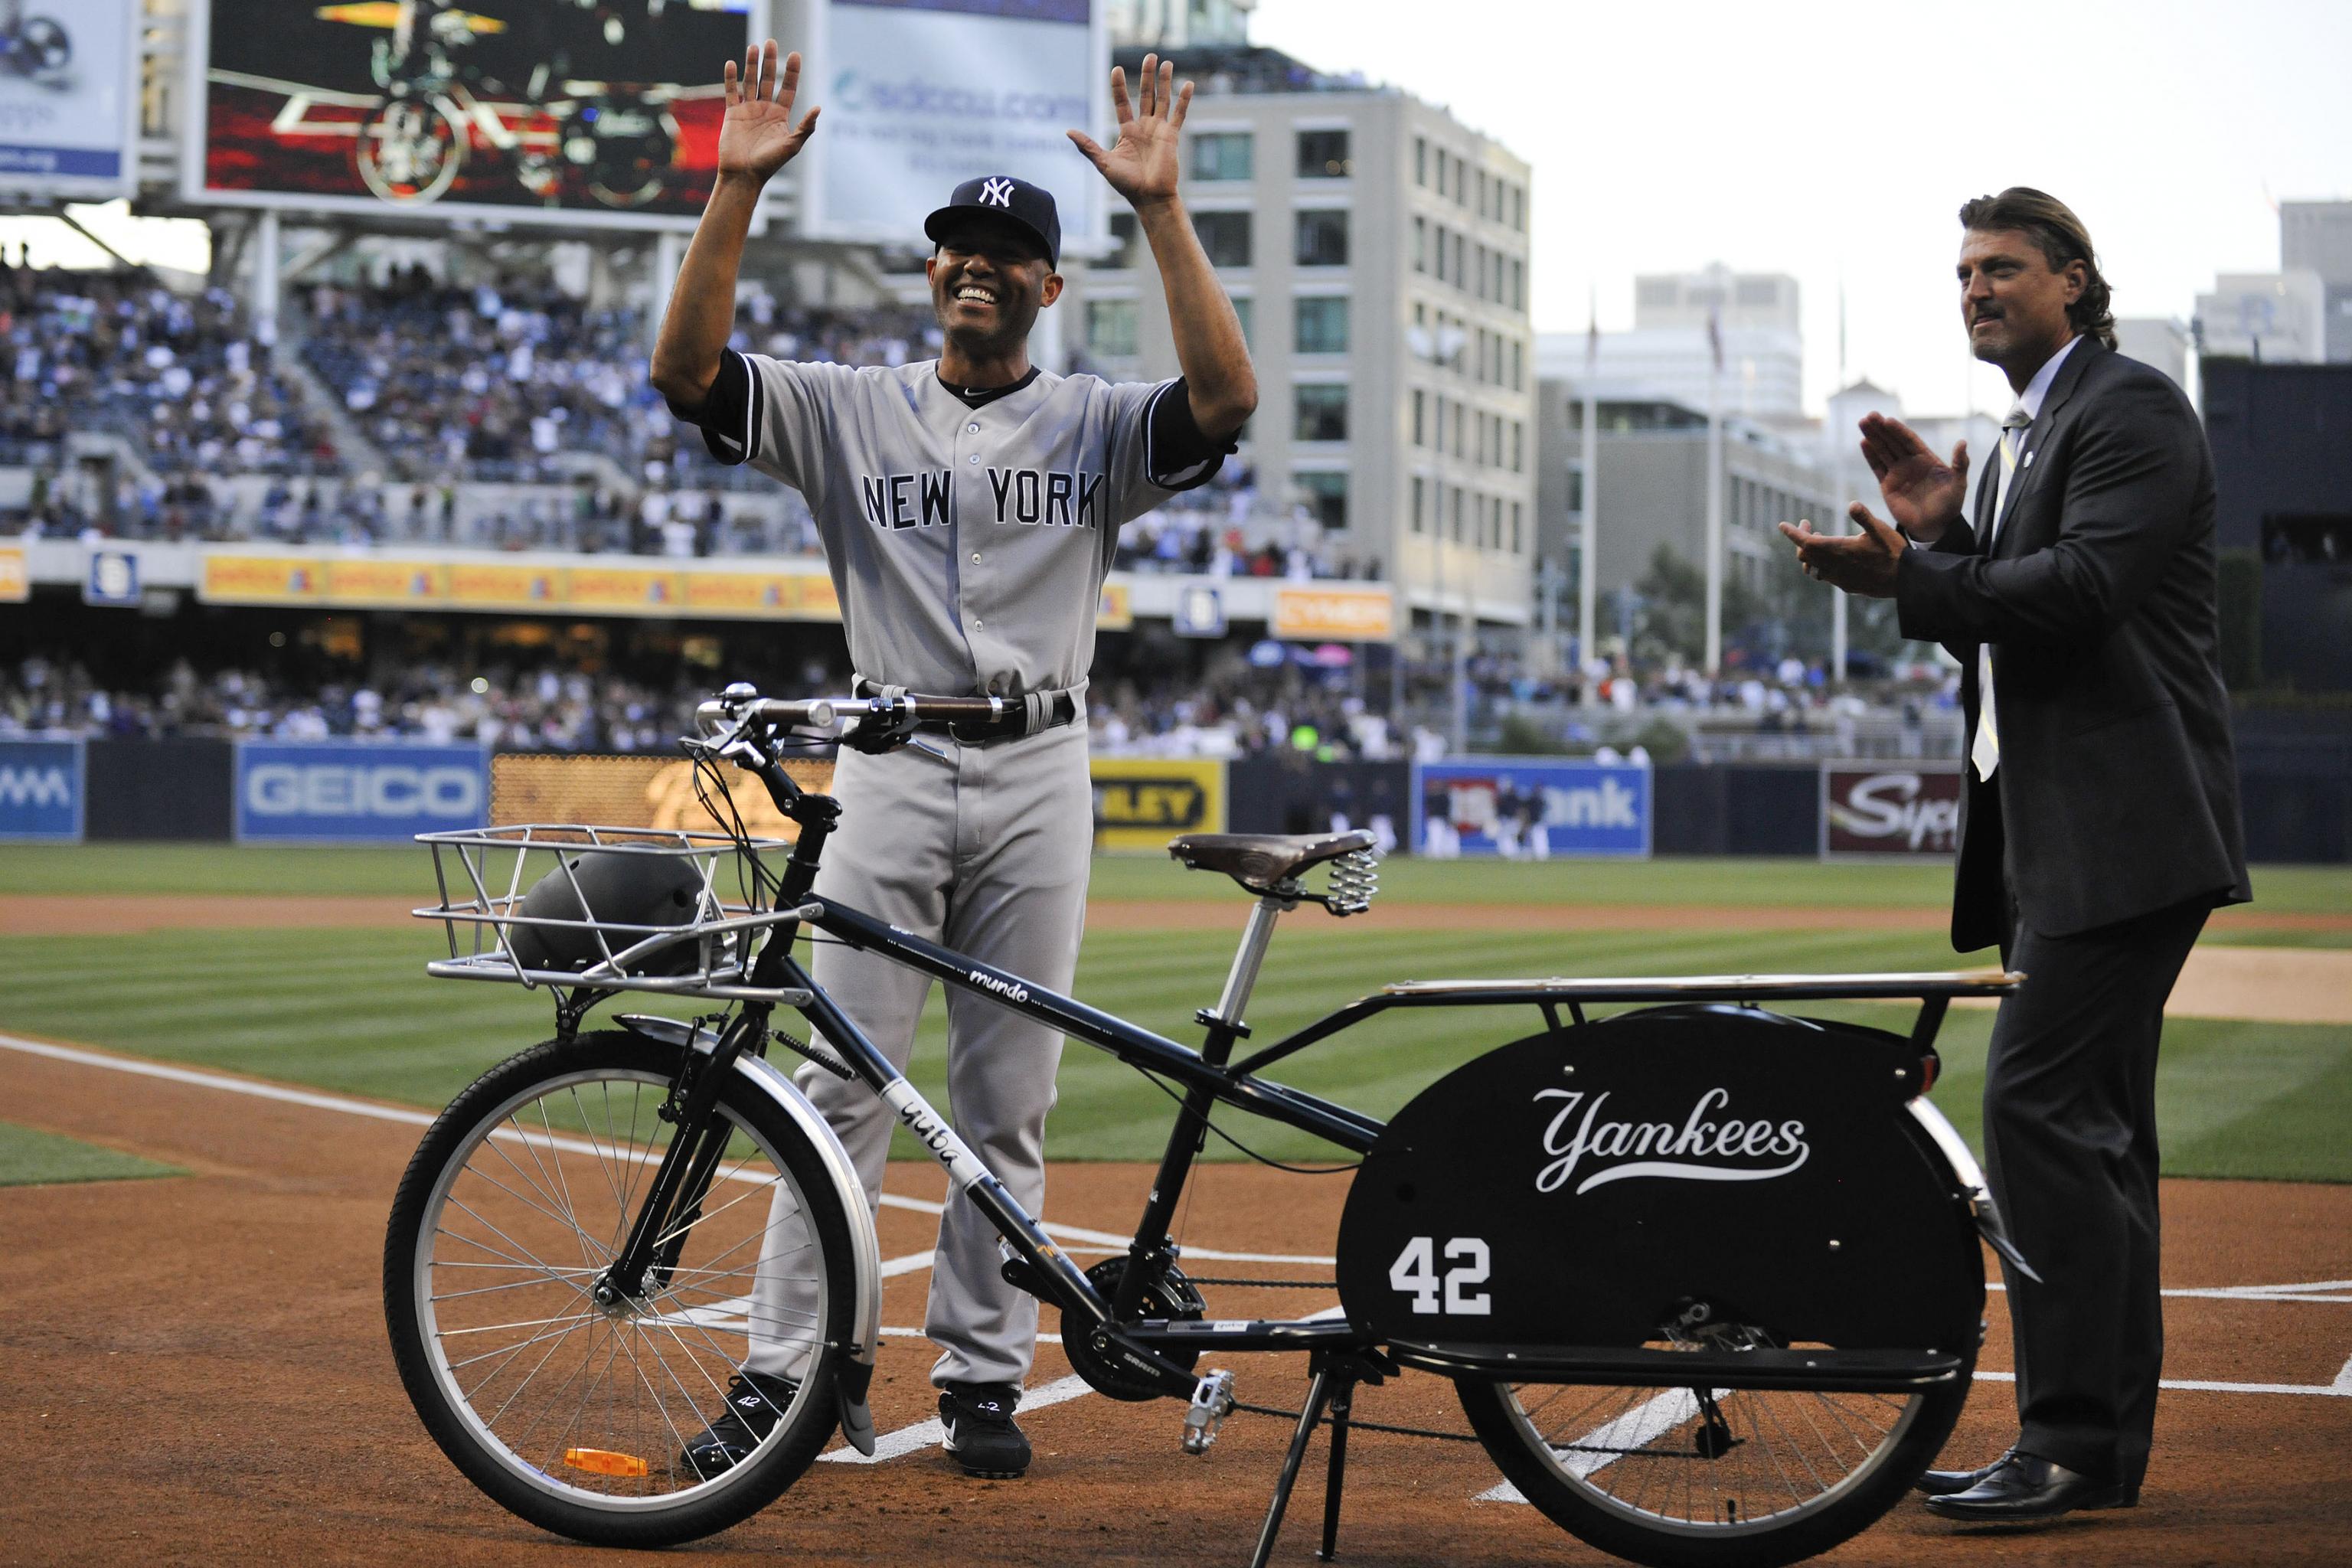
(968, 509)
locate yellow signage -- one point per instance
(751, 595)
(1140, 803)
(1330, 613)
(15, 580)
(236, 579)
(1115, 611)
(372, 581)
(651, 791)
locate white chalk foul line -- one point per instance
(923, 1434)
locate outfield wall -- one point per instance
(2298, 798)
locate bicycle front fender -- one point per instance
(1972, 1184)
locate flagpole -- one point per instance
(1712, 663)
(1588, 570)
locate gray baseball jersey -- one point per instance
(968, 544)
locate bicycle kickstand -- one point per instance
(1333, 1385)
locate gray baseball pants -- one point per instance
(987, 850)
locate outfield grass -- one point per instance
(31, 1158)
(406, 871)
(353, 1010)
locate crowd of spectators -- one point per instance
(185, 379)
(512, 708)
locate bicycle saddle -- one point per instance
(1259, 860)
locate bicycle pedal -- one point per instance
(1213, 1401)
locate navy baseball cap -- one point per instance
(1013, 202)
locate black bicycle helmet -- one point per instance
(622, 889)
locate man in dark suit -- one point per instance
(2100, 821)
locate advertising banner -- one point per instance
(1140, 803)
(1871, 811)
(650, 791)
(1330, 612)
(356, 792)
(494, 583)
(1531, 808)
(923, 95)
(41, 791)
(520, 110)
(68, 96)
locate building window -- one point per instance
(1457, 429)
(1110, 327)
(1242, 309)
(1321, 412)
(1421, 161)
(1420, 410)
(1225, 237)
(1454, 529)
(1327, 498)
(1125, 239)
(1322, 324)
(1483, 188)
(1419, 496)
(1421, 245)
(1461, 262)
(1518, 447)
(1517, 546)
(1323, 238)
(1223, 155)
(1323, 155)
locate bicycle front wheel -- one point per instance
(1705, 1478)
(575, 1413)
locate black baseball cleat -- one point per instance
(755, 1403)
(980, 1433)
(1943, 1483)
(2021, 1490)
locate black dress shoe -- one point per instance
(2021, 1488)
(1943, 1483)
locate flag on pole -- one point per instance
(1592, 333)
(1715, 334)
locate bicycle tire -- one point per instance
(575, 1481)
(1558, 1476)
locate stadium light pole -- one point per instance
(1713, 662)
(1587, 566)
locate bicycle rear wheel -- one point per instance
(573, 1415)
(1703, 1478)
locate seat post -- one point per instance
(1241, 979)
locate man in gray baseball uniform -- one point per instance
(968, 508)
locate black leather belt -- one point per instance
(1061, 708)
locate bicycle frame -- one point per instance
(1209, 1077)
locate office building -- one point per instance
(1376, 250)
(2316, 237)
(2157, 340)
(1670, 354)
(2276, 317)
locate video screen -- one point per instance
(539, 107)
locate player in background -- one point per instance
(968, 508)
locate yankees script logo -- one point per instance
(997, 193)
(1662, 1148)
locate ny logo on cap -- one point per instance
(997, 193)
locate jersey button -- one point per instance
(971, 429)
(977, 623)
(975, 557)
(974, 459)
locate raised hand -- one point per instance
(757, 136)
(1141, 164)
(1925, 494)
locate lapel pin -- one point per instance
(2031, 455)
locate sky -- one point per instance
(1836, 141)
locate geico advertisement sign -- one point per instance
(356, 791)
(1875, 809)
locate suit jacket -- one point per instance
(2117, 793)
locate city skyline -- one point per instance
(2173, 135)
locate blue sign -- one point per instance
(1530, 808)
(112, 578)
(1199, 611)
(356, 792)
(41, 790)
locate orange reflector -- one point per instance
(603, 1462)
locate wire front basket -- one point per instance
(498, 930)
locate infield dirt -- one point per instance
(194, 1370)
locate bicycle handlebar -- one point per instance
(922, 712)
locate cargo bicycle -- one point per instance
(1704, 1274)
